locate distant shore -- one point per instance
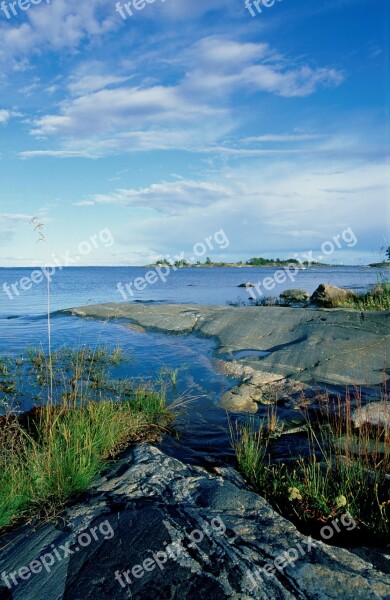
(240, 265)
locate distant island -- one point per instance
(252, 262)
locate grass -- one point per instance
(59, 449)
(342, 469)
(167, 373)
(377, 299)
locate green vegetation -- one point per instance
(170, 374)
(268, 262)
(56, 450)
(341, 469)
(252, 262)
(376, 299)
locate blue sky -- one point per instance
(191, 117)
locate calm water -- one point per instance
(23, 325)
(77, 286)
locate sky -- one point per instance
(185, 118)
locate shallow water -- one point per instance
(23, 325)
(203, 424)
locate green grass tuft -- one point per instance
(57, 450)
(377, 299)
(344, 470)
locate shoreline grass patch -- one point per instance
(343, 468)
(55, 451)
(378, 299)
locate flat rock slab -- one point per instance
(178, 532)
(330, 346)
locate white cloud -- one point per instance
(220, 65)
(92, 83)
(294, 137)
(9, 223)
(169, 198)
(6, 115)
(56, 154)
(282, 207)
(62, 24)
(67, 24)
(11, 218)
(107, 116)
(122, 108)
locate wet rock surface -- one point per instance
(163, 529)
(242, 398)
(324, 346)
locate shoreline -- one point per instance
(312, 345)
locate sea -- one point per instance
(204, 432)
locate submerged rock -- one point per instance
(248, 284)
(294, 296)
(242, 398)
(327, 296)
(154, 528)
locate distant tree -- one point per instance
(181, 263)
(208, 261)
(257, 261)
(388, 253)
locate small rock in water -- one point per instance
(294, 296)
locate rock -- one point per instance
(376, 414)
(248, 284)
(179, 532)
(327, 296)
(248, 374)
(327, 347)
(242, 398)
(294, 296)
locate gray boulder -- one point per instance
(294, 296)
(159, 529)
(327, 296)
